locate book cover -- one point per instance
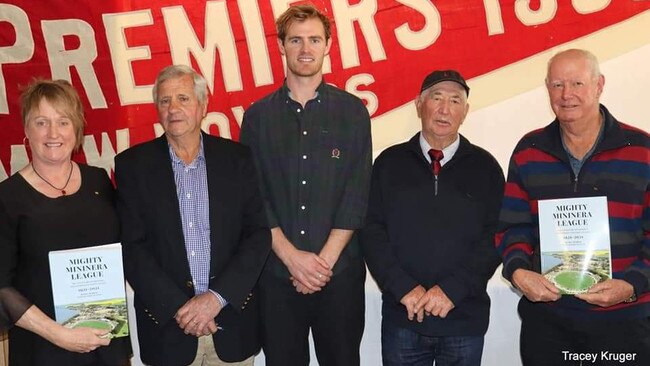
(575, 243)
(88, 288)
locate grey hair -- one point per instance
(425, 94)
(177, 71)
(590, 57)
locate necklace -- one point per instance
(62, 189)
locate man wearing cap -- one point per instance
(428, 240)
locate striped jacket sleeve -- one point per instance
(514, 239)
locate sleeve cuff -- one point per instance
(511, 266)
(349, 222)
(638, 281)
(454, 289)
(270, 217)
(401, 286)
(12, 307)
(220, 298)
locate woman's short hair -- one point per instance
(62, 96)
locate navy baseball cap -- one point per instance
(443, 75)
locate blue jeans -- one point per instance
(402, 347)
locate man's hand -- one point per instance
(197, 315)
(337, 240)
(608, 293)
(330, 259)
(534, 286)
(435, 302)
(411, 299)
(300, 287)
(308, 269)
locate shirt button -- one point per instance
(193, 253)
(304, 133)
(304, 182)
(187, 170)
(298, 110)
(302, 232)
(303, 207)
(191, 224)
(304, 157)
(188, 195)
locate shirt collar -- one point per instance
(199, 157)
(448, 152)
(319, 94)
(593, 147)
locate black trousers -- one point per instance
(549, 340)
(336, 316)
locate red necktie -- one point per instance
(436, 156)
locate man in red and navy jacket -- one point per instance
(584, 152)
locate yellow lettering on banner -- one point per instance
(218, 35)
(122, 55)
(61, 60)
(589, 6)
(256, 42)
(218, 119)
(19, 158)
(544, 14)
(106, 158)
(17, 161)
(428, 34)
(158, 129)
(238, 112)
(370, 97)
(493, 17)
(3, 172)
(345, 15)
(22, 50)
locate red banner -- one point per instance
(111, 51)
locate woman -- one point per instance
(52, 203)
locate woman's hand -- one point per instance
(81, 340)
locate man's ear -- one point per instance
(205, 109)
(466, 111)
(328, 46)
(418, 102)
(600, 84)
(281, 46)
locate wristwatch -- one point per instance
(631, 298)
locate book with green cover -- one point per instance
(88, 288)
(574, 242)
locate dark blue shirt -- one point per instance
(314, 165)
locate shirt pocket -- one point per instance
(333, 151)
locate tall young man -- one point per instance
(311, 143)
